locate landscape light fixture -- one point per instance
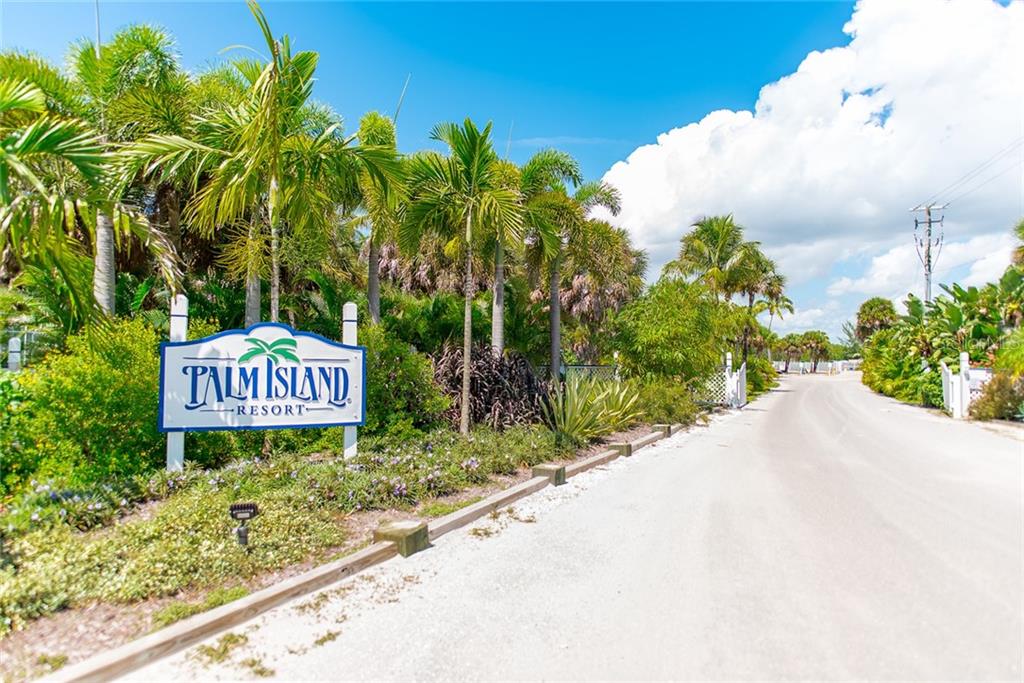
(243, 512)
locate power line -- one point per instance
(1000, 174)
(976, 171)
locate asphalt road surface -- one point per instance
(824, 533)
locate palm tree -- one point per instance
(53, 178)
(877, 313)
(713, 253)
(816, 344)
(601, 275)
(51, 174)
(548, 171)
(275, 352)
(274, 160)
(137, 57)
(381, 203)
(569, 214)
(755, 273)
(792, 346)
(775, 301)
(458, 197)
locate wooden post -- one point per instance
(14, 354)
(349, 315)
(179, 332)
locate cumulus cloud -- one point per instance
(888, 274)
(825, 167)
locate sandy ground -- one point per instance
(824, 533)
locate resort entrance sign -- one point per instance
(266, 377)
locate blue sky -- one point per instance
(597, 80)
(817, 124)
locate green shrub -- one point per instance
(668, 402)
(761, 376)
(1010, 356)
(89, 413)
(1001, 398)
(401, 396)
(583, 409)
(17, 460)
(893, 367)
(674, 330)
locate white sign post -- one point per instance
(349, 315)
(179, 333)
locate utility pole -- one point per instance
(97, 10)
(926, 242)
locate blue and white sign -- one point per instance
(266, 377)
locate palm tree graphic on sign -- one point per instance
(282, 349)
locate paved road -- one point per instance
(824, 533)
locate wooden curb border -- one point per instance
(147, 649)
(137, 653)
(460, 518)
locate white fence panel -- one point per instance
(960, 390)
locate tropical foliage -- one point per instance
(902, 354)
(126, 179)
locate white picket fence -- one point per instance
(961, 389)
(736, 383)
(828, 367)
(727, 387)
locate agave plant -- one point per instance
(583, 409)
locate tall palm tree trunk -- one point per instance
(104, 269)
(747, 325)
(556, 317)
(275, 275)
(467, 326)
(252, 288)
(174, 219)
(275, 262)
(373, 281)
(498, 301)
(252, 299)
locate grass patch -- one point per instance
(52, 662)
(221, 650)
(257, 667)
(178, 610)
(326, 638)
(440, 508)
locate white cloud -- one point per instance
(825, 168)
(827, 317)
(888, 274)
